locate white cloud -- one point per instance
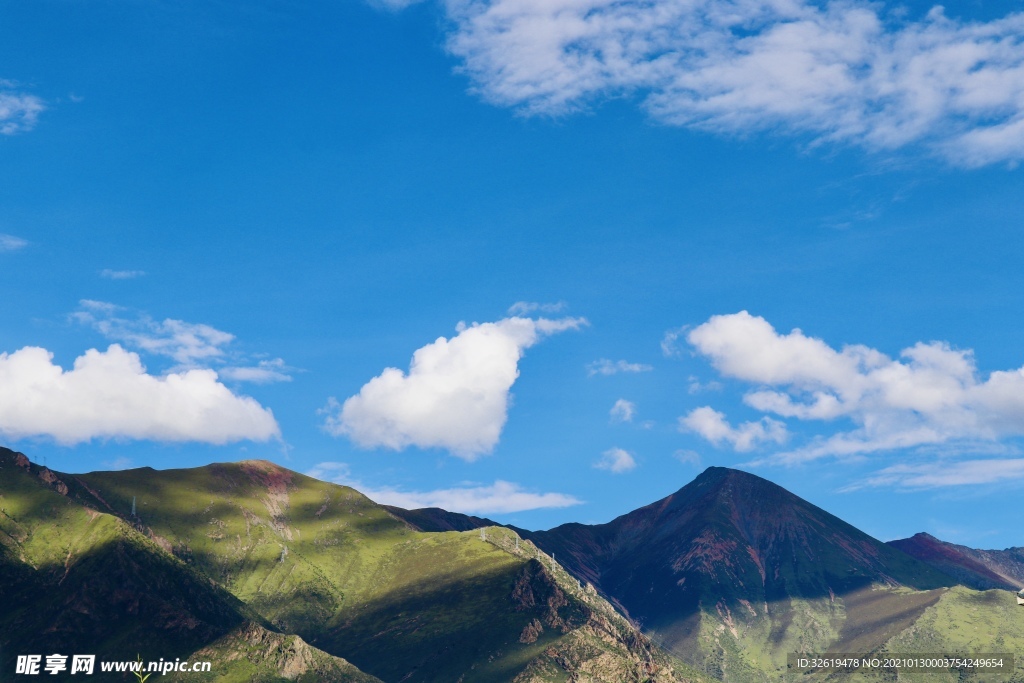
(121, 274)
(264, 372)
(670, 342)
(527, 307)
(695, 386)
(840, 71)
(623, 411)
(605, 366)
(941, 474)
(712, 425)
(393, 5)
(11, 243)
(499, 497)
(455, 395)
(108, 394)
(687, 457)
(616, 460)
(190, 345)
(932, 394)
(19, 111)
(186, 343)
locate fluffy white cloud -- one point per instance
(845, 70)
(623, 411)
(11, 243)
(110, 274)
(616, 460)
(455, 395)
(108, 394)
(931, 394)
(19, 111)
(712, 425)
(942, 474)
(605, 366)
(499, 497)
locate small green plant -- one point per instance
(138, 674)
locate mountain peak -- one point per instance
(730, 542)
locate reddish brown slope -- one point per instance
(980, 569)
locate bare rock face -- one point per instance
(22, 461)
(531, 632)
(535, 590)
(50, 478)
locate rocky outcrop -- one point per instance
(51, 479)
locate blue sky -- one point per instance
(265, 208)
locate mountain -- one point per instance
(77, 580)
(980, 569)
(436, 519)
(276, 576)
(733, 571)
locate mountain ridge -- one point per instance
(976, 568)
(332, 578)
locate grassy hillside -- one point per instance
(76, 580)
(274, 576)
(325, 563)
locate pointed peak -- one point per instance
(721, 475)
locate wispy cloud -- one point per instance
(604, 366)
(19, 110)
(186, 343)
(455, 395)
(670, 346)
(688, 457)
(528, 307)
(695, 386)
(264, 372)
(11, 243)
(616, 460)
(840, 72)
(121, 274)
(118, 463)
(940, 474)
(497, 498)
(189, 345)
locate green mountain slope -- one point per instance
(325, 563)
(961, 622)
(76, 580)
